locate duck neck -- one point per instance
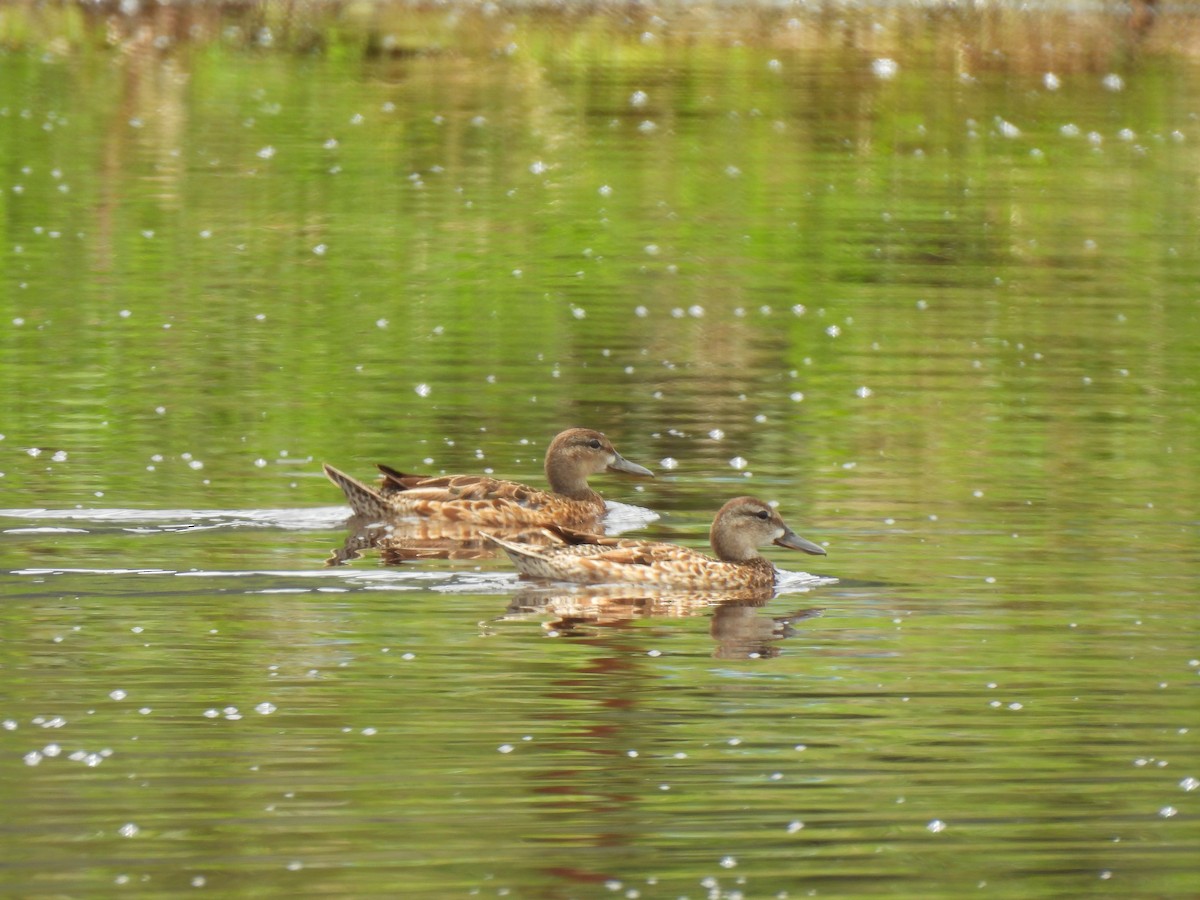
(731, 549)
(567, 482)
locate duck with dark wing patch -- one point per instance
(482, 500)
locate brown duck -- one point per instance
(741, 526)
(481, 500)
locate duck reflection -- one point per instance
(738, 625)
(402, 540)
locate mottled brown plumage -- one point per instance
(401, 540)
(741, 526)
(484, 501)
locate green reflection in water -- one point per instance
(947, 319)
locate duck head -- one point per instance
(744, 524)
(579, 452)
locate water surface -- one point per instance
(925, 284)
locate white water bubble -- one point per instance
(422, 390)
(738, 462)
(1051, 81)
(936, 826)
(1113, 82)
(884, 69)
(1007, 129)
(669, 462)
(128, 830)
(638, 99)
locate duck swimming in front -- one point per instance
(741, 526)
(481, 500)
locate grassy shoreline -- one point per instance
(970, 37)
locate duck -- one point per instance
(740, 527)
(572, 456)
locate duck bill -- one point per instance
(793, 541)
(621, 464)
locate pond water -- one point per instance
(928, 282)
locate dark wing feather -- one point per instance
(446, 488)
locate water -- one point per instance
(880, 269)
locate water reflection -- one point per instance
(926, 277)
(739, 627)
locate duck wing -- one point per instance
(448, 488)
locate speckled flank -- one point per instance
(740, 527)
(571, 458)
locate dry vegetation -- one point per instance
(966, 35)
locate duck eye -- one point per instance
(594, 444)
(763, 514)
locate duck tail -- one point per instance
(364, 500)
(509, 547)
(529, 559)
